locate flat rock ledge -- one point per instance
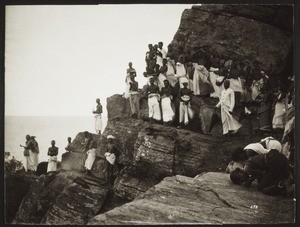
(209, 198)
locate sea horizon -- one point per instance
(45, 128)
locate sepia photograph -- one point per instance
(149, 114)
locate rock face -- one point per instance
(247, 33)
(63, 198)
(210, 198)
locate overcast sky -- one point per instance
(59, 59)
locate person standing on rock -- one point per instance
(90, 146)
(52, 160)
(153, 96)
(230, 124)
(185, 111)
(30, 154)
(166, 97)
(111, 155)
(97, 114)
(134, 95)
(162, 50)
(67, 148)
(127, 80)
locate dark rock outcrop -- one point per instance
(247, 33)
(210, 198)
(63, 198)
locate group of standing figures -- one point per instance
(31, 154)
(172, 86)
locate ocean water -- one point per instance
(45, 129)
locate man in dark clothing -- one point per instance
(271, 170)
(111, 156)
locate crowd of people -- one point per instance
(172, 86)
(170, 90)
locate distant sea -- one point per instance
(45, 129)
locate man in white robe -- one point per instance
(97, 114)
(166, 97)
(90, 146)
(230, 124)
(153, 96)
(52, 159)
(185, 111)
(30, 154)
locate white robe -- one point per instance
(153, 105)
(213, 79)
(111, 158)
(31, 161)
(236, 85)
(200, 73)
(127, 86)
(171, 73)
(90, 158)
(185, 111)
(160, 81)
(227, 104)
(167, 111)
(98, 123)
(52, 164)
(279, 118)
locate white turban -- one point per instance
(110, 137)
(184, 80)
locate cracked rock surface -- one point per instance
(209, 198)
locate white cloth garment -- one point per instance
(111, 158)
(90, 158)
(167, 111)
(98, 123)
(227, 104)
(185, 111)
(153, 105)
(271, 143)
(257, 147)
(52, 164)
(200, 73)
(236, 85)
(213, 79)
(31, 161)
(127, 86)
(256, 87)
(160, 80)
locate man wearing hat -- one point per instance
(111, 156)
(185, 111)
(153, 96)
(97, 114)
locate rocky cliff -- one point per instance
(210, 198)
(257, 35)
(160, 169)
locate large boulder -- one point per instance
(248, 33)
(210, 198)
(62, 198)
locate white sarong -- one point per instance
(31, 161)
(52, 164)
(228, 121)
(185, 111)
(160, 81)
(279, 118)
(167, 111)
(111, 158)
(153, 105)
(98, 123)
(90, 158)
(127, 87)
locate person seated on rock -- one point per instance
(185, 111)
(90, 146)
(67, 148)
(227, 102)
(166, 98)
(271, 170)
(162, 50)
(111, 156)
(159, 77)
(52, 159)
(134, 96)
(152, 92)
(147, 57)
